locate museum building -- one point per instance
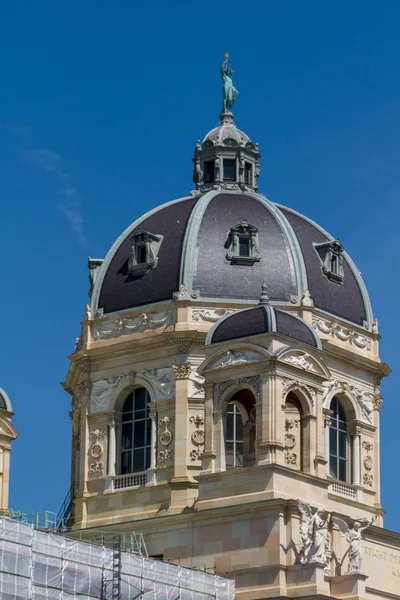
(226, 391)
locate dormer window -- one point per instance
(243, 245)
(331, 256)
(144, 254)
(208, 171)
(229, 169)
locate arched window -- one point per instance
(293, 432)
(136, 432)
(338, 442)
(240, 430)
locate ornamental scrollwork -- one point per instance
(165, 436)
(120, 327)
(197, 437)
(368, 478)
(164, 456)
(95, 452)
(289, 385)
(341, 333)
(254, 382)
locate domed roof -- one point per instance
(262, 319)
(226, 131)
(193, 240)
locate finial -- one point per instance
(229, 92)
(264, 296)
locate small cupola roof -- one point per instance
(227, 158)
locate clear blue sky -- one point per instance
(101, 105)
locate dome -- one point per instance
(196, 244)
(225, 132)
(259, 320)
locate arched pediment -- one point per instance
(7, 429)
(236, 355)
(304, 361)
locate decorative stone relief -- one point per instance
(363, 398)
(236, 358)
(164, 457)
(104, 391)
(220, 388)
(377, 402)
(368, 478)
(353, 537)
(314, 535)
(165, 437)
(183, 294)
(96, 450)
(210, 315)
(341, 333)
(301, 361)
(306, 299)
(119, 327)
(197, 437)
(196, 385)
(291, 457)
(289, 385)
(161, 380)
(182, 371)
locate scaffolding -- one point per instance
(42, 565)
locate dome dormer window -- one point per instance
(331, 256)
(208, 171)
(144, 254)
(243, 245)
(229, 169)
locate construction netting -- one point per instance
(36, 565)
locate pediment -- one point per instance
(7, 429)
(304, 361)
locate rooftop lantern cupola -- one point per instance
(227, 158)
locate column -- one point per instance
(153, 448)
(112, 447)
(355, 458)
(327, 422)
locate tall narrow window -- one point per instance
(136, 432)
(247, 173)
(234, 437)
(338, 442)
(229, 169)
(208, 171)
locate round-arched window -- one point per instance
(338, 442)
(136, 432)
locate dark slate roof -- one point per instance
(3, 403)
(193, 252)
(121, 290)
(262, 319)
(344, 300)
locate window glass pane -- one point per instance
(333, 467)
(342, 444)
(229, 454)
(126, 462)
(239, 427)
(128, 404)
(247, 172)
(342, 414)
(126, 436)
(147, 465)
(209, 171)
(244, 247)
(138, 434)
(138, 460)
(342, 470)
(229, 426)
(334, 407)
(127, 416)
(333, 442)
(229, 169)
(141, 254)
(239, 455)
(342, 426)
(140, 399)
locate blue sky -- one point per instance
(101, 105)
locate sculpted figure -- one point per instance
(354, 537)
(313, 533)
(229, 92)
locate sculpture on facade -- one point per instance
(354, 537)
(313, 533)
(229, 92)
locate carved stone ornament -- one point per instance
(314, 535)
(254, 382)
(236, 358)
(341, 333)
(96, 452)
(353, 537)
(197, 438)
(368, 478)
(161, 380)
(209, 315)
(289, 385)
(165, 437)
(120, 327)
(196, 385)
(164, 456)
(104, 392)
(363, 398)
(377, 402)
(182, 371)
(306, 299)
(183, 293)
(291, 458)
(301, 361)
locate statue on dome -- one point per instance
(229, 92)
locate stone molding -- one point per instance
(143, 322)
(254, 382)
(333, 329)
(211, 315)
